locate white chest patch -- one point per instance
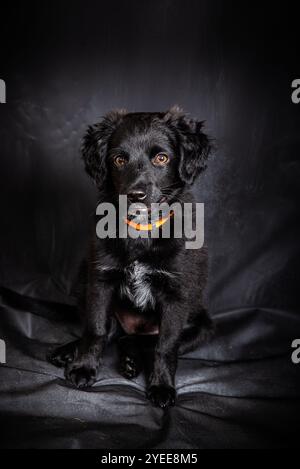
(137, 285)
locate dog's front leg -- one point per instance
(161, 391)
(82, 371)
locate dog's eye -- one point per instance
(161, 159)
(120, 161)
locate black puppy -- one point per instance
(154, 287)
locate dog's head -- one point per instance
(150, 157)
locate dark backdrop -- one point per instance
(228, 62)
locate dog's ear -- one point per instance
(195, 146)
(94, 146)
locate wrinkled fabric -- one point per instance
(233, 392)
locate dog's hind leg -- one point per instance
(200, 331)
(63, 355)
(130, 362)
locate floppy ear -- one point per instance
(195, 146)
(94, 146)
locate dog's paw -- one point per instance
(61, 356)
(81, 376)
(129, 367)
(162, 396)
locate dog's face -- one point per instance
(143, 160)
(149, 157)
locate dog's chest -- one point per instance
(136, 285)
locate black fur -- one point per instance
(148, 284)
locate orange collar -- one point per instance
(150, 226)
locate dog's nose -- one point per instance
(137, 196)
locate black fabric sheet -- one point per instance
(225, 61)
(235, 392)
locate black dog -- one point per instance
(153, 286)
